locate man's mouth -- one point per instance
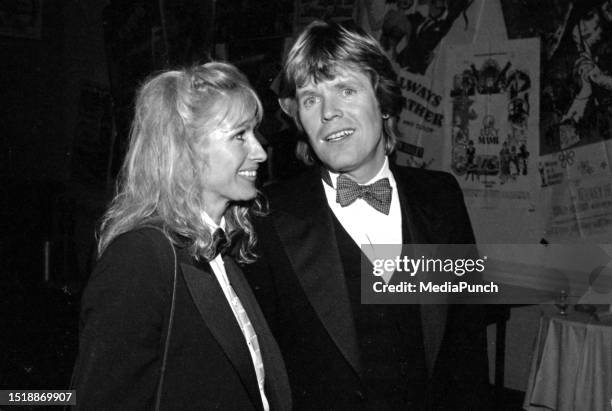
(250, 174)
(339, 135)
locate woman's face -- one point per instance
(231, 158)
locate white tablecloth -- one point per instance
(571, 369)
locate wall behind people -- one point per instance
(32, 120)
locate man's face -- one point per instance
(343, 122)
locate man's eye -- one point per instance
(309, 101)
(347, 92)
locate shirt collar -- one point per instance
(211, 223)
(382, 173)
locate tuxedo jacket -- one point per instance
(124, 317)
(300, 284)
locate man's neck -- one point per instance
(382, 170)
(368, 175)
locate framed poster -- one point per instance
(413, 33)
(576, 89)
(492, 121)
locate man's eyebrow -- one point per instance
(304, 92)
(346, 83)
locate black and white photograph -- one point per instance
(306, 205)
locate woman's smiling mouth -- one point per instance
(250, 174)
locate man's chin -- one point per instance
(339, 163)
(337, 168)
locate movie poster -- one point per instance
(580, 208)
(577, 193)
(576, 111)
(491, 131)
(412, 33)
(576, 95)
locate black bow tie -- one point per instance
(220, 242)
(377, 194)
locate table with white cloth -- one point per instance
(571, 368)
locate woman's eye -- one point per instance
(240, 136)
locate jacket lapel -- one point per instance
(276, 380)
(306, 232)
(416, 229)
(416, 226)
(218, 316)
(305, 228)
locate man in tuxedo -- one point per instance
(341, 90)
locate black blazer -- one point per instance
(124, 315)
(300, 285)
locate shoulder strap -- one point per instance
(162, 372)
(160, 384)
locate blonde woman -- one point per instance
(167, 319)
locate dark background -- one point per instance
(67, 97)
(68, 88)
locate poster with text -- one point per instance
(413, 34)
(576, 112)
(491, 121)
(579, 209)
(577, 193)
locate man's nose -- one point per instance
(330, 109)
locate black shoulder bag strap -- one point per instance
(166, 340)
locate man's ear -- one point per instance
(288, 105)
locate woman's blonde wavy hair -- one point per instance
(162, 177)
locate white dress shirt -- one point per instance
(218, 268)
(367, 226)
